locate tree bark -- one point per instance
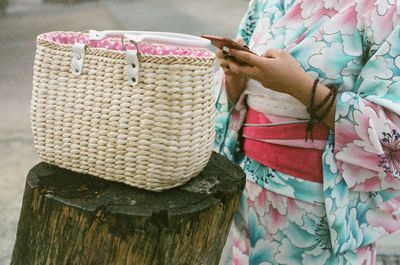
(70, 218)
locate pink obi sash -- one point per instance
(282, 146)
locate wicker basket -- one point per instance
(137, 110)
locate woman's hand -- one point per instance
(235, 82)
(279, 71)
(276, 70)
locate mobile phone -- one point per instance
(221, 42)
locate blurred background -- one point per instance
(22, 20)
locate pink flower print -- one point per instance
(309, 7)
(239, 258)
(363, 8)
(235, 121)
(371, 183)
(275, 222)
(364, 255)
(375, 154)
(347, 19)
(279, 202)
(259, 36)
(382, 26)
(353, 173)
(392, 206)
(390, 159)
(261, 203)
(240, 241)
(382, 219)
(323, 234)
(293, 19)
(295, 214)
(253, 190)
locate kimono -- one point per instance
(353, 45)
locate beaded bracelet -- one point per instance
(331, 97)
(310, 110)
(334, 92)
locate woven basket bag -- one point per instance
(132, 107)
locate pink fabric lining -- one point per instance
(115, 44)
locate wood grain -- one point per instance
(69, 218)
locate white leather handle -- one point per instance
(168, 38)
(132, 59)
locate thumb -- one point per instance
(273, 53)
(240, 41)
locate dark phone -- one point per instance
(221, 42)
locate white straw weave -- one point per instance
(156, 135)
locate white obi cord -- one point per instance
(271, 102)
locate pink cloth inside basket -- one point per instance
(116, 44)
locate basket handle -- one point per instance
(168, 38)
(132, 56)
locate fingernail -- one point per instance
(225, 49)
(247, 47)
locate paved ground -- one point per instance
(24, 19)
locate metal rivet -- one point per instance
(133, 65)
(78, 57)
(133, 79)
(76, 70)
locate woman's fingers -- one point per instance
(224, 59)
(237, 69)
(228, 61)
(225, 67)
(245, 57)
(228, 72)
(220, 54)
(273, 53)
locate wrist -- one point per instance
(324, 102)
(303, 89)
(234, 88)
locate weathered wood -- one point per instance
(69, 218)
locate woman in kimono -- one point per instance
(314, 122)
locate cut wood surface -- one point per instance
(70, 218)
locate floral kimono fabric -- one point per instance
(354, 46)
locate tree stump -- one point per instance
(74, 219)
